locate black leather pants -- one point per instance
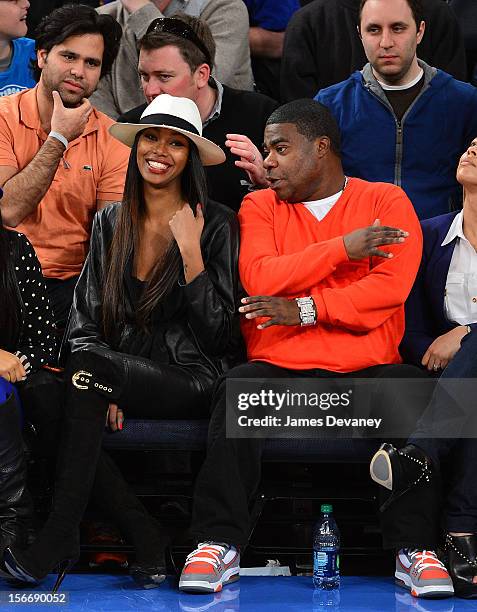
(150, 391)
(15, 503)
(159, 391)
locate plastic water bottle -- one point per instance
(325, 600)
(326, 548)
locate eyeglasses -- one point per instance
(171, 25)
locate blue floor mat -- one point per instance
(98, 592)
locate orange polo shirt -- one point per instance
(93, 168)
(285, 251)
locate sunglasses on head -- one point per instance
(171, 25)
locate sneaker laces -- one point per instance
(216, 552)
(426, 559)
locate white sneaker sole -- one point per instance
(380, 470)
(436, 590)
(206, 586)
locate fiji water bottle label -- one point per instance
(326, 564)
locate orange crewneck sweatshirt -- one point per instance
(285, 251)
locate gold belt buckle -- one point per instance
(80, 376)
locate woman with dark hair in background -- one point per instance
(153, 325)
(27, 341)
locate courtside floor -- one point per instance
(91, 592)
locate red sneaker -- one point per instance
(210, 566)
(422, 573)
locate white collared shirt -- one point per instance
(460, 301)
(215, 112)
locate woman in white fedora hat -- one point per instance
(153, 325)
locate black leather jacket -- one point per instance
(195, 327)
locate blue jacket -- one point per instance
(420, 153)
(425, 315)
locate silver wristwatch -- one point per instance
(307, 310)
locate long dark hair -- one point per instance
(11, 310)
(166, 272)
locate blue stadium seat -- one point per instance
(191, 435)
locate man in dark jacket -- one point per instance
(466, 13)
(322, 45)
(403, 121)
(176, 57)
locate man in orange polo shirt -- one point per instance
(327, 262)
(58, 163)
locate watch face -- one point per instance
(307, 312)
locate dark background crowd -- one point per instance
(274, 16)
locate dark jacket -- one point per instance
(425, 315)
(195, 327)
(418, 153)
(466, 13)
(322, 46)
(243, 112)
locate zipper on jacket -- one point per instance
(399, 129)
(398, 154)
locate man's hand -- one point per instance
(69, 122)
(11, 368)
(365, 242)
(251, 159)
(443, 349)
(280, 310)
(114, 418)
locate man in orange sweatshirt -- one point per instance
(327, 262)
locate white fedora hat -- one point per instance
(178, 114)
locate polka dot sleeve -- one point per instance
(37, 343)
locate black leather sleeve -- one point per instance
(212, 297)
(86, 314)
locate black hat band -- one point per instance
(171, 121)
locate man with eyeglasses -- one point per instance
(176, 57)
(16, 51)
(228, 22)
